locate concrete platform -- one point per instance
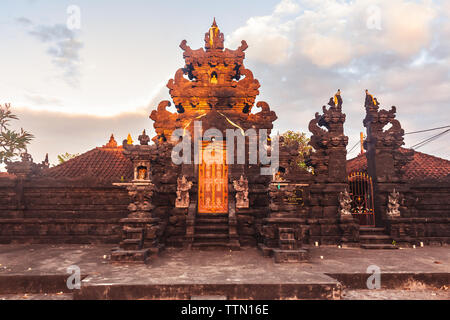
(245, 274)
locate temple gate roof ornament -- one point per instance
(213, 79)
(129, 139)
(112, 143)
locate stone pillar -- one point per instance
(140, 231)
(385, 158)
(330, 175)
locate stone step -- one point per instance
(131, 244)
(215, 228)
(371, 230)
(202, 215)
(211, 221)
(378, 246)
(211, 236)
(132, 230)
(211, 245)
(129, 241)
(375, 238)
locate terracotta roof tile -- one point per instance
(422, 167)
(105, 162)
(7, 175)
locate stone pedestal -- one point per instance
(140, 240)
(140, 231)
(283, 239)
(283, 256)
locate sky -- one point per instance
(77, 71)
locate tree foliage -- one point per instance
(304, 149)
(12, 142)
(66, 157)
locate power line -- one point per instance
(430, 139)
(356, 144)
(426, 130)
(420, 144)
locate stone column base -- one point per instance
(284, 256)
(131, 256)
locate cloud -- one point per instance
(57, 132)
(303, 57)
(330, 33)
(43, 100)
(287, 7)
(268, 38)
(63, 46)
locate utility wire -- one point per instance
(421, 143)
(432, 129)
(430, 139)
(356, 144)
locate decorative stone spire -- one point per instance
(214, 38)
(45, 163)
(112, 143)
(144, 139)
(329, 142)
(129, 139)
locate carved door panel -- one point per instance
(213, 178)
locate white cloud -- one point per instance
(287, 7)
(327, 45)
(326, 51)
(267, 38)
(407, 26)
(63, 47)
(331, 33)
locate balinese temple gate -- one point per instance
(225, 202)
(198, 182)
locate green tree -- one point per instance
(304, 149)
(66, 157)
(12, 142)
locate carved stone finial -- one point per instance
(371, 100)
(45, 163)
(241, 187)
(183, 187)
(345, 205)
(129, 139)
(26, 157)
(214, 38)
(393, 205)
(112, 143)
(144, 139)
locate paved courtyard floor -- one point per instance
(247, 266)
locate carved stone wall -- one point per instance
(58, 211)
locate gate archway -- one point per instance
(361, 192)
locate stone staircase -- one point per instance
(375, 238)
(211, 231)
(133, 238)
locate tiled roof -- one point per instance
(7, 175)
(422, 167)
(106, 163)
